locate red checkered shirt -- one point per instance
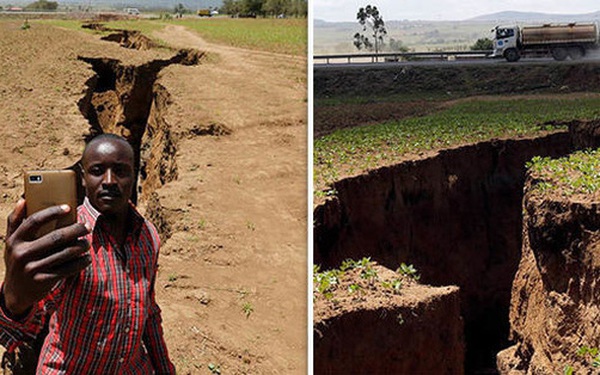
(106, 320)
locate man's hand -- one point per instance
(34, 266)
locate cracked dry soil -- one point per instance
(224, 169)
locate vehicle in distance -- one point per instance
(206, 13)
(557, 40)
(132, 11)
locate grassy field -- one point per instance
(287, 36)
(351, 151)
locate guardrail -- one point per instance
(404, 56)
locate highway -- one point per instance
(448, 63)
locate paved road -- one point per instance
(384, 65)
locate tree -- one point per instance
(370, 19)
(297, 8)
(42, 5)
(252, 7)
(397, 46)
(483, 44)
(180, 9)
(275, 7)
(231, 7)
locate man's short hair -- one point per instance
(103, 137)
(108, 136)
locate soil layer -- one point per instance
(455, 216)
(554, 305)
(376, 330)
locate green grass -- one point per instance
(327, 282)
(288, 36)
(356, 150)
(576, 174)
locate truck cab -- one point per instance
(506, 40)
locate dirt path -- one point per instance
(242, 243)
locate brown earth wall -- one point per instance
(426, 338)
(469, 79)
(455, 216)
(554, 307)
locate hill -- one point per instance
(513, 16)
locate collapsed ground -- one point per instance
(454, 214)
(223, 161)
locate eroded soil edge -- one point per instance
(127, 100)
(455, 216)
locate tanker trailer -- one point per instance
(559, 41)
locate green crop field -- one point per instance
(287, 36)
(576, 174)
(351, 151)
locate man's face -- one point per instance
(108, 176)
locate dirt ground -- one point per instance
(232, 278)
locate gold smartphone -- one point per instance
(48, 188)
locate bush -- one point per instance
(483, 44)
(42, 5)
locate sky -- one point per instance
(438, 10)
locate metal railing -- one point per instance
(402, 56)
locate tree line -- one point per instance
(265, 8)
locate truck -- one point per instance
(204, 13)
(557, 40)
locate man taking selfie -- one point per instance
(92, 282)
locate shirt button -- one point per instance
(127, 329)
(121, 360)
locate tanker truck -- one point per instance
(557, 40)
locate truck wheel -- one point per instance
(559, 54)
(512, 55)
(576, 53)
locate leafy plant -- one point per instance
(395, 285)
(408, 270)
(214, 369)
(324, 282)
(247, 308)
(353, 288)
(587, 352)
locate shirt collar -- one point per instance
(138, 220)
